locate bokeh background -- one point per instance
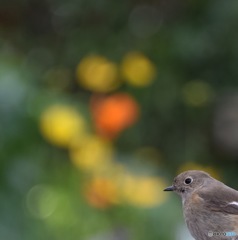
(102, 103)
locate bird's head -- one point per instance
(188, 182)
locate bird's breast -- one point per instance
(200, 220)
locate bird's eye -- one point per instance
(188, 180)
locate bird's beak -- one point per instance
(170, 188)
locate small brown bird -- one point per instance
(210, 208)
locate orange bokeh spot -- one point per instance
(114, 113)
(101, 193)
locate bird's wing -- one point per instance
(220, 199)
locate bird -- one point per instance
(210, 208)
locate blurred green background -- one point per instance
(102, 103)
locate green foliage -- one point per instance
(188, 42)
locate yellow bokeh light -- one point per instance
(93, 154)
(97, 73)
(137, 69)
(143, 191)
(195, 166)
(197, 93)
(60, 124)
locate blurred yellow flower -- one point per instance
(101, 192)
(143, 191)
(60, 124)
(137, 69)
(92, 154)
(197, 93)
(195, 166)
(97, 73)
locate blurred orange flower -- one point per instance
(114, 113)
(101, 192)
